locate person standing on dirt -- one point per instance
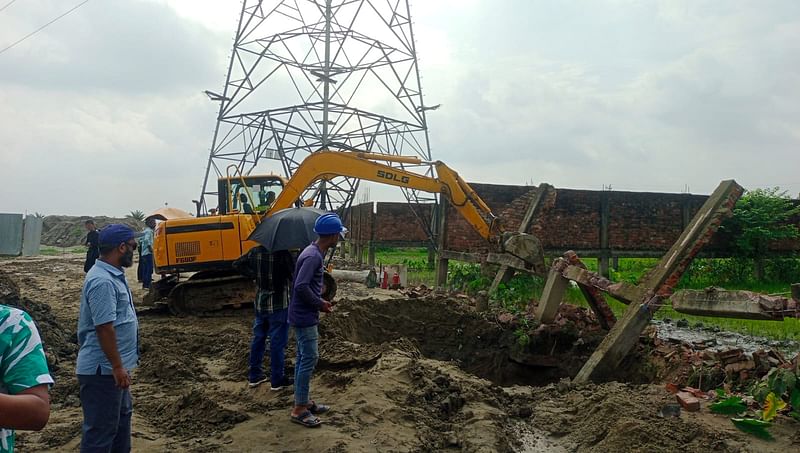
(108, 340)
(24, 377)
(304, 310)
(146, 253)
(92, 245)
(273, 274)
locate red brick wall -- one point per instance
(637, 221)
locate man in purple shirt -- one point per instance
(304, 310)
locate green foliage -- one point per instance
(794, 401)
(462, 275)
(137, 214)
(730, 406)
(761, 216)
(521, 332)
(779, 381)
(515, 295)
(415, 264)
(734, 272)
(753, 426)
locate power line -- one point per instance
(43, 26)
(7, 5)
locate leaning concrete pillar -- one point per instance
(552, 295)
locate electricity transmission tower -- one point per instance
(309, 75)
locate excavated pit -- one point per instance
(444, 329)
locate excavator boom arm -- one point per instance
(330, 164)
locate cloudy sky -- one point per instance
(103, 112)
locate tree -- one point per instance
(761, 217)
(137, 214)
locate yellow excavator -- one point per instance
(206, 247)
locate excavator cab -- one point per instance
(248, 194)
(194, 255)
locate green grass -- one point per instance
(50, 251)
(523, 288)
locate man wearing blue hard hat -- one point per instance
(108, 340)
(304, 310)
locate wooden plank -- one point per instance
(659, 283)
(553, 293)
(505, 272)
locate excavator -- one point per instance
(206, 246)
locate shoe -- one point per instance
(285, 383)
(258, 381)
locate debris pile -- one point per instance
(697, 364)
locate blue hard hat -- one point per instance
(329, 223)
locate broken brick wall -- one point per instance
(638, 222)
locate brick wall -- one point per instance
(638, 222)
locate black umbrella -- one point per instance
(287, 229)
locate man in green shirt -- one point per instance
(24, 377)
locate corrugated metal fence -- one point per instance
(20, 235)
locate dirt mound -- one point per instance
(189, 414)
(443, 329)
(60, 344)
(621, 417)
(68, 231)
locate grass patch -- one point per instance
(51, 251)
(726, 273)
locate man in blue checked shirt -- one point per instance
(108, 340)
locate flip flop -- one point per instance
(307, 419)
(317, 409)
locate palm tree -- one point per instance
(137, 214)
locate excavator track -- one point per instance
(201, 294)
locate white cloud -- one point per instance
(102, 112)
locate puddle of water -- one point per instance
(719, 341)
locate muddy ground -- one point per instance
(401, 375)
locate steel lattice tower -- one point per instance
(308, 75)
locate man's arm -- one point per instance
(302, 288)
(29, 409)
(107, 337)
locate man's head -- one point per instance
(150, 222)
(329, 228)
(243, 198)
(90, 226)
(117, 244)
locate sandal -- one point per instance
(307, 419)
(317, 409)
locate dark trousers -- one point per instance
(107, 411)
(91, 256)
(273, 326)
(146, 264)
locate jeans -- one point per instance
(146, 265)
(307, 355)
(275, 327)
(107, 411)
